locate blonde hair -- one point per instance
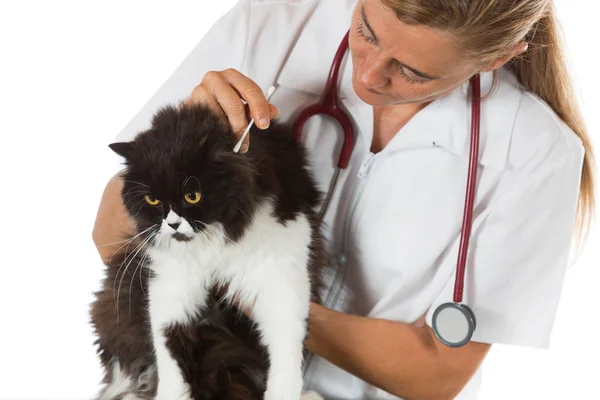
(485, 29)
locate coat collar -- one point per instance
(449, 119)
(445, 122)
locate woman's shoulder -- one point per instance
(536, 131)
(288, 38)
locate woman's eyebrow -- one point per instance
(413, 70)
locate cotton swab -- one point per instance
(239, 144)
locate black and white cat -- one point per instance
(208, 218)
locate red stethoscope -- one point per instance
(453, 322)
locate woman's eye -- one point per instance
(192, 198)
(410, 79)
(363, 34)
(152, 200)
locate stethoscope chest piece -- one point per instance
(453, 324)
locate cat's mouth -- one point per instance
(180, 237)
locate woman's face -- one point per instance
(396, 63)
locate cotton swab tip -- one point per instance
(238, 145)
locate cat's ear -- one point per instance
(124, 149)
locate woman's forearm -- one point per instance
(401, 359)
(112, 226)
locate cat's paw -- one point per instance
(180, 397)
(281, 395)
(284, 389)
(172, 387)
(131, 396)
(311, 396)
(170, 396)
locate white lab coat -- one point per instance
(395, 218)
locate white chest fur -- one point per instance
(266, 269)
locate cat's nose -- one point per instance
(175, 225)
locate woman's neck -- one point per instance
(388, 120)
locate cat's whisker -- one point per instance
(139, 183)
(216, 231)
(187, 180)
(131, 285)
(134, 252)
(132, 200)
(126, 240)
(134, 190)
(110, 244)
(212, 238)
(127, 267)
(206, 238)
(211, 244)
(163, 241)
(143, 264)
(140, 265)
(126, 245)
(136, 185)
(121, 266)
(145, 255)
(246, 215)
(227, 370)
(133, 194)
(140, 205)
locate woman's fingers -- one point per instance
(274, 111)
(218, 90)
(225, 92)
(252, 94)
(201, 95)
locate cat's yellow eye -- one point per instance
(192, 198)
(151, 200)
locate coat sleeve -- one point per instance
(222, 47)
(519, 254)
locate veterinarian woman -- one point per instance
(394, 222)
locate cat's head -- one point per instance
(182, 177)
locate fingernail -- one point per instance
(263, 123)
(244, 148)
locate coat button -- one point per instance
(342, 258)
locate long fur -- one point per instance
(219, 351)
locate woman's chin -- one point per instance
(374, 99)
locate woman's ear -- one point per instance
(500, 61)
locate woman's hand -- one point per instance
(223, 91)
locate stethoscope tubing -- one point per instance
(329, 105)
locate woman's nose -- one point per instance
(372, 74)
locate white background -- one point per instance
(72, 73)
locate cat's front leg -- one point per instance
(171, 306)
(171, 385)
(281, 312)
